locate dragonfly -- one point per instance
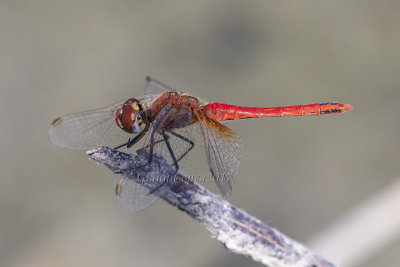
(169, 121)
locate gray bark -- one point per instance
(238, 231)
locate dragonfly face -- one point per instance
(131, 116)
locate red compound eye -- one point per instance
(126, 116)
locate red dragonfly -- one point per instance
(170, 118)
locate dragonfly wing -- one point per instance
(155, 87)
(133, 196)
(88, 129)
(224, 150)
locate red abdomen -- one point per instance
(220, 111)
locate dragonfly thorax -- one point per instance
(130, 116)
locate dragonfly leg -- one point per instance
(136, 139)
(151, 147)
(171, 152)
(175, 162)
(124, 144)
(156, 142)
(184, 139)
(166, 137)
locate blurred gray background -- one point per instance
(299, 175)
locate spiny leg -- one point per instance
(156, 142)
(166, 138)
(171, 152)
(175, 162)
(136, 139)
(124, 144)
(184, 139)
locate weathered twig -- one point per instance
(237, 230)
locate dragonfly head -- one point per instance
(130, 116)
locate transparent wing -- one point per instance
(155, 87)
(93, 128)
(133, 196)
(89, 129)
(224, 150)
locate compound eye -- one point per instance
(118, 118)
(127, 116)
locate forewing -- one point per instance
(224, 150)
(155, 87)
(88, 129)
(133, 196)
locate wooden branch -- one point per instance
(234, 228)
